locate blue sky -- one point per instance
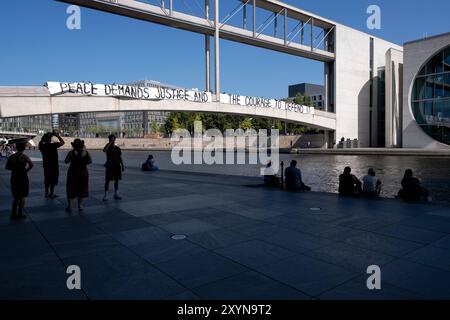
(37, 46)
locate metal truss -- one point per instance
(163, 12)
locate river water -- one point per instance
(321, 172)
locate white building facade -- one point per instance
(426, 93)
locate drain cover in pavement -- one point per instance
(178, 237)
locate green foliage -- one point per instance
(303, 99)
(185, 120)
(247, 124)
(154, 127)
(173, 122)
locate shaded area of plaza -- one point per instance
(242, 242)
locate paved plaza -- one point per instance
(241, 242)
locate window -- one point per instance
(431, 97)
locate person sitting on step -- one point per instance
(293, 177)
(349, 184)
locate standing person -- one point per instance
(371, 184)
(19, 164)
(77, 175)
(293, 177)
(114, 167)
(49, 150)
(349, 184)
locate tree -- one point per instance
(303, 99)
(173, 122)
(278, 125)
(137, 132)
(154, 127)
(127, 132)
(185, 120)
(246, 123)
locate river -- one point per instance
(321, 172)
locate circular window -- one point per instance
(430, 101)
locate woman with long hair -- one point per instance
(412, 189)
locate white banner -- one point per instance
(132, 92)
(264, 103)
(150, 93)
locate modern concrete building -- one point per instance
(33, 124)
(313, 91)
(426, 93)
(130, 123)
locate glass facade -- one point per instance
(431, 97)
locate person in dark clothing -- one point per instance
(77, 176)
(49, 150)
(293, 177)
(19, 164)
(349, 184)
(411, 188)
(114, 166)
(149, 164)
(270, 178)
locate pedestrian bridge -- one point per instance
(35, 100)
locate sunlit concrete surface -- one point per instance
(242, 242)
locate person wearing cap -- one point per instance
(114, 167)
(19, 164)
(77, 186)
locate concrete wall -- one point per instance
(353, 83)
(297, 141)
(416, 54)
(394, 99)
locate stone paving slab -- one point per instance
(241, 242)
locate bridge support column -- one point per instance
(208, 63)
(329, 139)
(254, 18)
(329, 87)
(207, 52)
(216, 49)
(326, 74)
(244, 17)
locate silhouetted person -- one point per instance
(371, 184)
(270, 178)
(114, 166)
(149, 164)
(293, 178)
(49, 150)
(411, 188)
(349, 184)
(77, 175)
(19, 164)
